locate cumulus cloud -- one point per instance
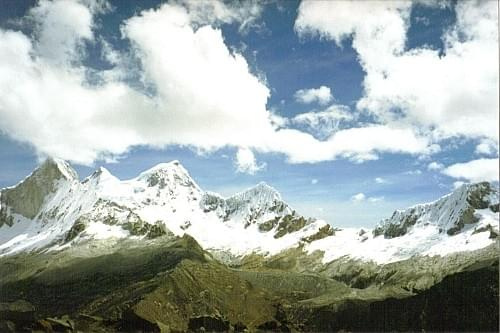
(360, 197)
(487, 147)
(314, 181)
(44, 96)
(321, 95)
(475, 170)
(196, 92)
(435, 166)
(380, 180)
(443, 92)
(245, 13)
(375, 199)
(357, 144)
(205, 95)
(246, 163)
(61, 28)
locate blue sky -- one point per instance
(423, 101)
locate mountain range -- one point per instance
(158, 253)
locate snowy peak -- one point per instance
(52, 169)
(260, 192)
(449, 214)
(101, 175)
(256, 204)
(260, 196)
(62, 168)
(51, 209)
(165, 174)
(27, 197)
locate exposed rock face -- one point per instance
(28, 196)
(323, 232)
(287, 224)
(482, 195)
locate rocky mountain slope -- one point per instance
(157, 253)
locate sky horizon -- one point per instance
(349, 109)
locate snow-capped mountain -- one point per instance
(257, 204)
(450, 213)
(52, 209)
(464, 220)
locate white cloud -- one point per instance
(314, 181)
(442, 93)
(321, 95)
(380, 180)
(375, 199)
(217, 12)
(357, 144)
(487, 147)
(433, 3)
(457, 184)
(413, 172)
(475, 171)
(205, 95)
(200, 94)
(435, 166)
(360, 197)
(246, 163)
(44, 96)
(61, 28)
(278, 121)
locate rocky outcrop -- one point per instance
(325, 231)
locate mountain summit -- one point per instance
(51, 209)
(27, 197)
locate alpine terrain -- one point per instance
(158, 253)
